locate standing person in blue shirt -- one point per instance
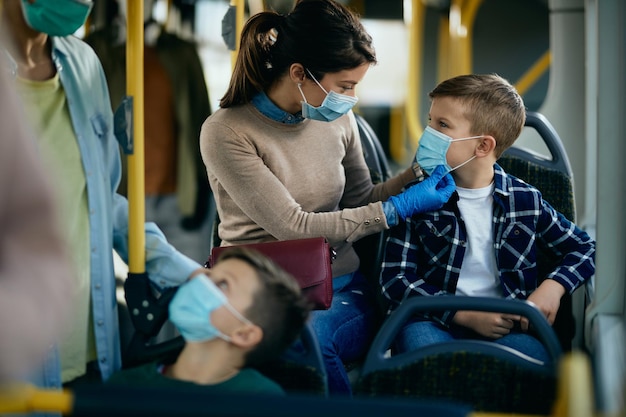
(65, 93)
(484, 240)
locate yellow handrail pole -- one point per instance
(461, 25)
(136, 181)
(443, 51)
(239, 14)
(530, 77)
(256, 6)
(575, 396)
(21, 398)
(468, 17)
(166, 25)
(416, 43)
(456, 33)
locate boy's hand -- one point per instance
(547, 298)
(488, 324)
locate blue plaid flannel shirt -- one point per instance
(424, 255)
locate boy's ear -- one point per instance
(247, 336)
(486, 146)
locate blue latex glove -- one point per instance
(428, 195)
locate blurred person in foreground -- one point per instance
(35, 272)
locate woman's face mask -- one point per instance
(433, 148)
(190, 310)
(56, 17)
(334, 105)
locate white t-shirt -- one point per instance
(479, 274)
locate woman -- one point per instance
(284, 159)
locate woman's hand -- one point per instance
(428, 195)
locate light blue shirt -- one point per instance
(270, 110)
(87, 96)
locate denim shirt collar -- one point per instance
(263, 104)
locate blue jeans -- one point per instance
(417, 334)
(345, 330)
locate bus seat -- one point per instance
(554, 179)
(215, 223)
(487, 376)
(370, 249)
(373, 151)
(300, 370)
(137, 401)
(559, 160)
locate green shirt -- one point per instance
(248, 381)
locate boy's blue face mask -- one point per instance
(190, 310)
(433, 148)
(334, 105)
(58, 17)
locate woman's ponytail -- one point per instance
(253, 67)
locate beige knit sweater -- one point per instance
(275, 181)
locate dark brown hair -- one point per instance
(322, 35)
(278, 307)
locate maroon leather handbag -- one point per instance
(308, 260)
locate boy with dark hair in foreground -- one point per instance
(244, 311)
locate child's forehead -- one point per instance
(237, 270)
(448, 107)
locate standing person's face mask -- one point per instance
(190, 310)
(334, 105)
(56, 17)
(433, 148)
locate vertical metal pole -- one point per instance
(239, 14)
(416, 44)
(136, 182)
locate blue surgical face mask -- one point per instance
(334, 105)
(56, 17)
(190, 310)
(433, 148)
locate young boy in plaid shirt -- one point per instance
(484, 241)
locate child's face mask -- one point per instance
(334, 105)
(190, 310)
(433, 148)
(58, 17)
